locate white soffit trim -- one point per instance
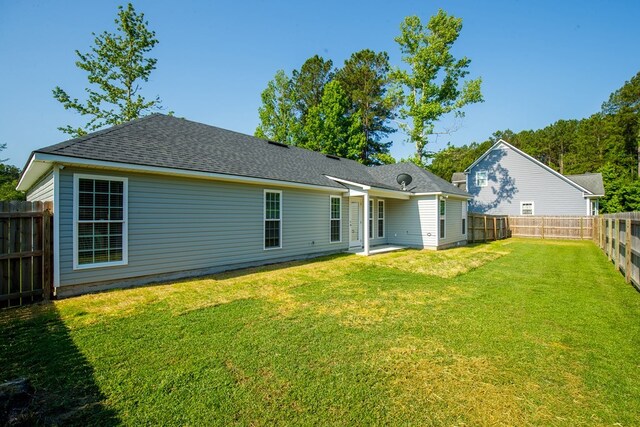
(40, 162)
(534, 160)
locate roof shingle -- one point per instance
(170, 142)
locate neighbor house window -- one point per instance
(526, 208)
(100, 221)
(272, 219)
(594, 207)
(380, 218)
(443, 216)
(336, 218)
(370, 219)
(482, 179)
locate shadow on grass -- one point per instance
(37, 345)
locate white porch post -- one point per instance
(366, 223)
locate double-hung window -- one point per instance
(443, 216)
(380, 218)
(100, 221)
(482, 179)
(272, 219)
(335, 212)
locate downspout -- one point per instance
(56, 225)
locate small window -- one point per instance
(272, 219)
(526, 208)
(443, 216)
(381, 218)
(482, 179)
(371, 204)
(100, 229)
(336, 218)
(594, 207)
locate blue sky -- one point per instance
(540, 60)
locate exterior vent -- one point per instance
(279, 144)
(331, 156)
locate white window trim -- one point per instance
(383, 218)
(264, 219)
(372, 218)
(533, 208)
(333, 219)
(125, 220)
(442, 231)
(465, 218)
(486, 178)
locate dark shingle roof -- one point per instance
(170, 142)
(423, 180)
(589, 181)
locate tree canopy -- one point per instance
(115, 66)
(434, 84)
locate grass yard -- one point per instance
(517, 332)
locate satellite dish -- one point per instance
(404, 179)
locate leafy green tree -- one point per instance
(116, 66)
(433, 85)
(330, 129)
(365, 77)
(9, 176)
(278, 119)
(309, 83)
(624, 103)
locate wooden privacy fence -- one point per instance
(618, 235)
(552, 227)
(483, 228)
(25, 252)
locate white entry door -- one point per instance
(355, 223)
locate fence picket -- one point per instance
(25, 252)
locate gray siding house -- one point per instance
(161, 198)
(507, 181)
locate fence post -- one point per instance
(542, 229)
(617, 244)
(46, 255)
(581, 230)
(495, 229)
(627, 250)
(485, 228)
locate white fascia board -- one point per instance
(534, 160)
(374, 191)
(440, 193)
(344, 181)
(390, 194)
(28, 179)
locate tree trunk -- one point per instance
(561, 163)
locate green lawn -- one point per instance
(517, 332)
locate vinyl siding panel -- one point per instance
(513, 178)
(179, 224)
(42, 191)
(453, 222)
(412, 222)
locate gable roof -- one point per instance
(534, 160)
(168, 142)
(591, 181)
(423, 180)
